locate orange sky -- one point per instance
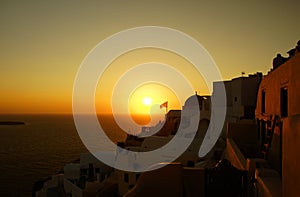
(44, 43)
(158, 92)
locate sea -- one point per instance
(40, 148)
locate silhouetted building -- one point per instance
(203, 102)
(291, 53)
(174, 118)
(241, 95)
(278, 60)
(298, 47)
(268, 149)
(278, 102)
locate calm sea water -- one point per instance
(38, 149)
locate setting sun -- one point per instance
(147, 101)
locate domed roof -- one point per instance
(193, 101)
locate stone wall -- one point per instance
(291, 156)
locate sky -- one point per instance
(43, 44)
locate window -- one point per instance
(126, 178)
(137, 176)
(284, 102)
(263, 102)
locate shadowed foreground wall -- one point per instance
(291, 156)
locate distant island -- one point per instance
(12, 123)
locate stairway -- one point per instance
(267, 135)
